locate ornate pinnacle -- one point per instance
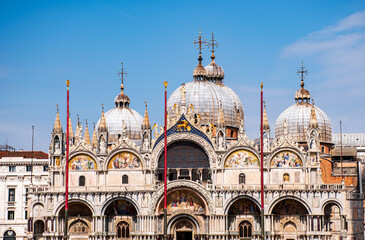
(301, 71)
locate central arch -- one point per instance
(185, 160)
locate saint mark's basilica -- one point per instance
(213, 189)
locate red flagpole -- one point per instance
(165, 170)
(262, 165)
(67, 151)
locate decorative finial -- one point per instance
(78, 119)
(86, 121)
(94, 125)
(122, 73)
(213, 44)
(201, 43)
(57, 108)
(262, 85)
(301, 71)
(165, 84)
(145, 102)
(102, 107)
(68, 83)
(312, 101)
(264, 104)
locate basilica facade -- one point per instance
(213, 187)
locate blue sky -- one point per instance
(43, 43)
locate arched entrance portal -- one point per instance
(120, 216)
(79, 221)
(241, 215)
(184, 229)
(290, 219)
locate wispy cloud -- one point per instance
(338, 51)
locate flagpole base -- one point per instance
(165, 223)
(262, 225)
(66, 224)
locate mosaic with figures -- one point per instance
(82, 162)
(286, 159)
(125, 160)
(183, 200)
(241, 158)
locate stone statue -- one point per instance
(183, 92)
(57, 148)
(102, 145)
(285, 127)
(155, 133)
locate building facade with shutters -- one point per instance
(20, 171)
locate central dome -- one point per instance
(205, 97)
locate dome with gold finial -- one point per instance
(297, 117)
(122, 116)
(205, 94)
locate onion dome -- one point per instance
(215, 73)
(199, 73)
(298, 118)
(114, 119)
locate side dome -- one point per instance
(205, 97)
(122, 118)
(114, 121)
(297, 117)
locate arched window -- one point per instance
(81, 181)
(9, 235)
(245, 229)
(242, 178)
(125, 179)
(123, 230)
(286, 178)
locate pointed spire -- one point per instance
(266, 125)
(313, 118)
(78, 131)
(70, 129)
(94, 140)
(86, 134)
(57, 124)
(221, 115)
(146, 119)
(102, 125)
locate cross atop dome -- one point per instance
(201, 43)
(122, 73)
(301, 71)
(213, 44)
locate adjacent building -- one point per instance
(19, 172)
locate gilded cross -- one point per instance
(213, 44)
(301, 71)
(200, 42)
(122, 73)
